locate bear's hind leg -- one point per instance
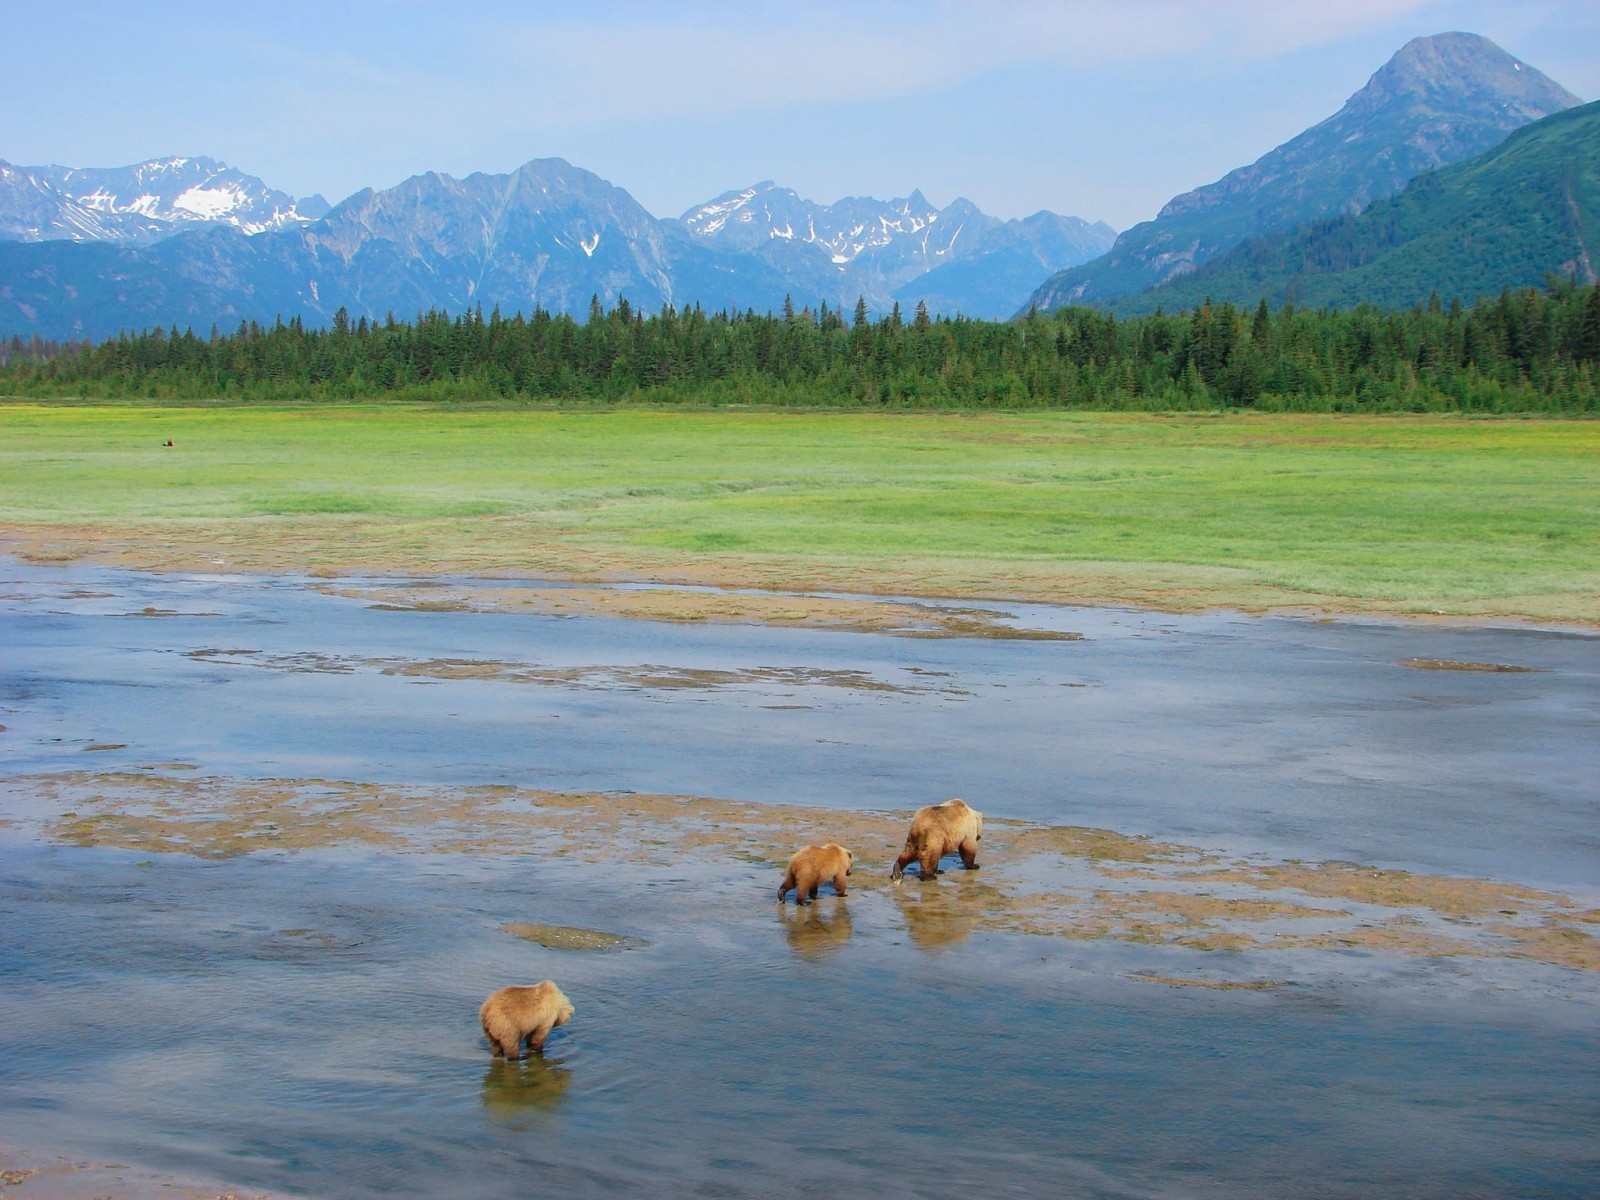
(930, 864)
(496, 1042)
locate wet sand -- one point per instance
(794, 611)
(1052, 881)
(29, 1176)
(358, 548)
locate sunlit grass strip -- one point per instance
(1375, 514)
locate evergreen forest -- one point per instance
(1535, 350)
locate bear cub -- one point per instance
(810, 867)
(514, 1015)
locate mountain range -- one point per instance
(192, 242)
(955, 259)
(1439, 100)
(82, 253)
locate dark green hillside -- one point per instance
(1505, 219)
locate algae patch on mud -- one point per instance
(847, 614)
(1448, 664)
(1220, 985)
(566, 937)
(640, 677)
(1053, 881)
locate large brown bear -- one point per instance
(517, 1014)
(811, 866)
(938, 830)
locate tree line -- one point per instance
(1533, 350)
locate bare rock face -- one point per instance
(1439, 100)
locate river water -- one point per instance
(305, 1021)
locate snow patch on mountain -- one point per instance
(142, 203)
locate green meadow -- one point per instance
(1363, 514)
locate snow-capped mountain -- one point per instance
(879, 249)
(766, 213)
(186, 242)
(546, 235)
(142, 203)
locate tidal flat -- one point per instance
(1263, 907)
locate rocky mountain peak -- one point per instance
(1449, 70)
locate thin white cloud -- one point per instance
(702, 59)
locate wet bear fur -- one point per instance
(809, 868)
(954, 827)
(517, 1014)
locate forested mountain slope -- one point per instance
(1527, 209)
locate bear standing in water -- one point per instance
(517, 1014)
(937, 830)
(810, 867)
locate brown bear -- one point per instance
(809, 867)
(517, 1014)
(938, 830)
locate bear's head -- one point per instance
(564, 1009)
(849, 858)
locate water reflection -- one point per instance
(937, 915)
(523, 1093)
(813, 935)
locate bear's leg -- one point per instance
(497, 1043)
(512, 1051)
(814, 888)
(969, 855)
(838, 883)
(900, 864)
(804, 889)
(783, 888)
(930, 864)
(537, 1037)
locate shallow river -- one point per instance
(305, 1021)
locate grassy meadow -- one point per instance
(1360, 514)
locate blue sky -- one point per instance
(1101, 110)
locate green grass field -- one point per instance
(1356, 514)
